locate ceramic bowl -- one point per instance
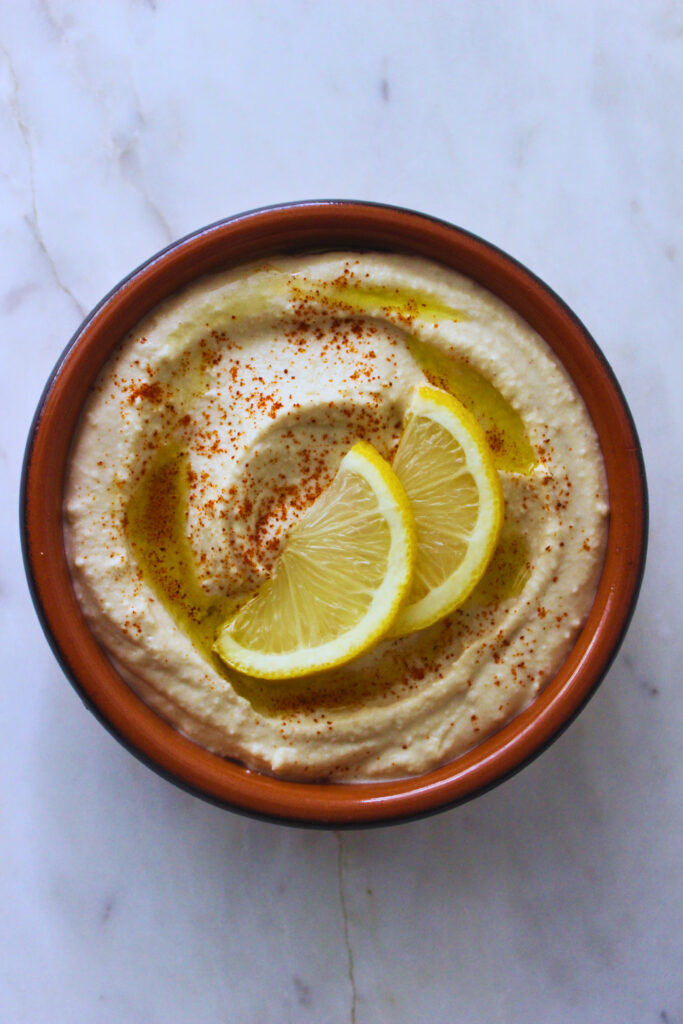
(305, 227)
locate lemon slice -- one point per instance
(444, 464)
(339, 582)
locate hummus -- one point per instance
(220, 419)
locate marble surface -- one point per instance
(552, 129)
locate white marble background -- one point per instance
(554, 130)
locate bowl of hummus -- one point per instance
(200, 412)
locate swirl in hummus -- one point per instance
(220, 419)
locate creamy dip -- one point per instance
(220, 419)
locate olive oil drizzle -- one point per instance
(156, 527)
(503, 426)
(507, 572)
(404, 303)
(157, 512)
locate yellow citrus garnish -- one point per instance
(445, 466)
(339, 582)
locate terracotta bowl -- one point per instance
(298, 228)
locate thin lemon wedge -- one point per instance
(339, 582)
(446, 468)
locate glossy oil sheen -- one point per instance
(406, 303)
(507, 572)
(156, 528)
(503, 426)
(510, 446)
(157, 512)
